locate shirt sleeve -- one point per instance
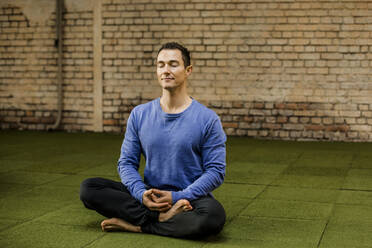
(129, 160)
(213, 152)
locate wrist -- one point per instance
(176, 195)
(140, 196)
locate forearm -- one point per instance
(205, 184)
(132, 180)
(214, 165)
(129, 160)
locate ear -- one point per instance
(189, 70)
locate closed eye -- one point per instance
(174, 64)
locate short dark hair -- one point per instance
(174, 45)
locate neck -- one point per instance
(174, 102)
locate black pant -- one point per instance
(112, 199)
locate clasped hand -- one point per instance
(157, 200)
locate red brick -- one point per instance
(259, 105)
(338, 128)
(282, 119)
(239, 104)
(280, 105)
(9, 119)
(110, 122)
(47, 120)
(303, 106)
(30, 120)
(315, 127)
(248, 119)
(292, 106)
(230, 124)
(271, 126)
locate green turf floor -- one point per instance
(276, 193)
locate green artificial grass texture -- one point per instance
(276, 193)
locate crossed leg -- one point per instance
(117, 224)
(112, 200)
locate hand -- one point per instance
(160, 196)
(148, 200)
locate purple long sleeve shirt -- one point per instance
(185, 153)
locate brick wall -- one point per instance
(274, 69)
(28, 71)
(77, 71)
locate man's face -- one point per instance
(170, 70)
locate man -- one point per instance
(184, 146)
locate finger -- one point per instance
(158, 199)
(153, 197)
(158, 192)
(187, 208)
(164, 209)
(148, 192)
(158, 205)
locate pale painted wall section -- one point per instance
(39, 11)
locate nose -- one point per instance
(166, 68)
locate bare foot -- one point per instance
(180, 206)
(116, 224)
